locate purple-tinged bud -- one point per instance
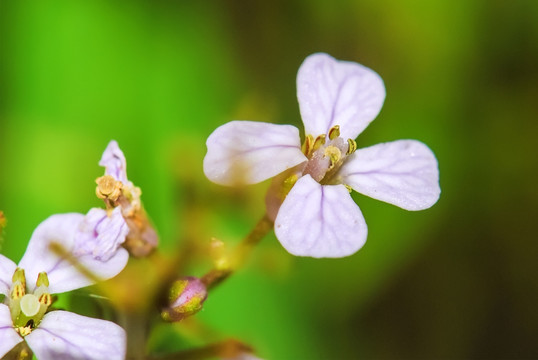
(186, 297)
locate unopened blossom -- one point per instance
(92, 242)
(117, 191)
(185, 298)
(309, 198)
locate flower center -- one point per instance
(326, 157)
(27, 310)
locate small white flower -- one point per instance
(313, 211)
(62, 334)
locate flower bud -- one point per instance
(186, 297)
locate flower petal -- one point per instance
(248, 152)
(403, 173)
(65, 335)
(100, 234)
(7, 269)
(62, 229)
(332, 92)
(114, 162)
(320, 221)
(39, 257)
(8, 335)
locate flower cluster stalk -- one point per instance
(240, 254)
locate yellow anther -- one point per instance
(320, 140)
(334, 132)
(18, 275)
(348, 188)
(307, 145)
(108, 188)
(18, 291)
(42, 279)
(45, 299)
(352, 146)
(334, 154)
(24, 330)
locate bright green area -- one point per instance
(455, 281)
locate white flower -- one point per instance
(313, 211)
(61, 334)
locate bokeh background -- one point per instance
(455, 281)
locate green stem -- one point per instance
(237, 259)
(137, 327)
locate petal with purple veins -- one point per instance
(248, 152)
(403, 173)
(59, 229)
(7, 269)
(100, 234)
(8, 336)
(114, 162)
(62, 230)
(333, 92)
(320, 221)
(65, 335)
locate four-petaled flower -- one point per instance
(93, 242)
(310, 200)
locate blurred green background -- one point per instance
(455, 281)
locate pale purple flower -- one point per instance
(310, 202)
(118, 192)
(41, 272)
(115, 166)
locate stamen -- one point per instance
(108, 188)
(19, 276)
(42, 279)
(334, 132)
(45, 299)
(307, 145)
(320, 140)
(352, 146)
(18, 291)
(348, 188)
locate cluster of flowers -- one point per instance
(308, 202)
(60, 247)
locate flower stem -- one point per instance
(237, 259)
(137, 327)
